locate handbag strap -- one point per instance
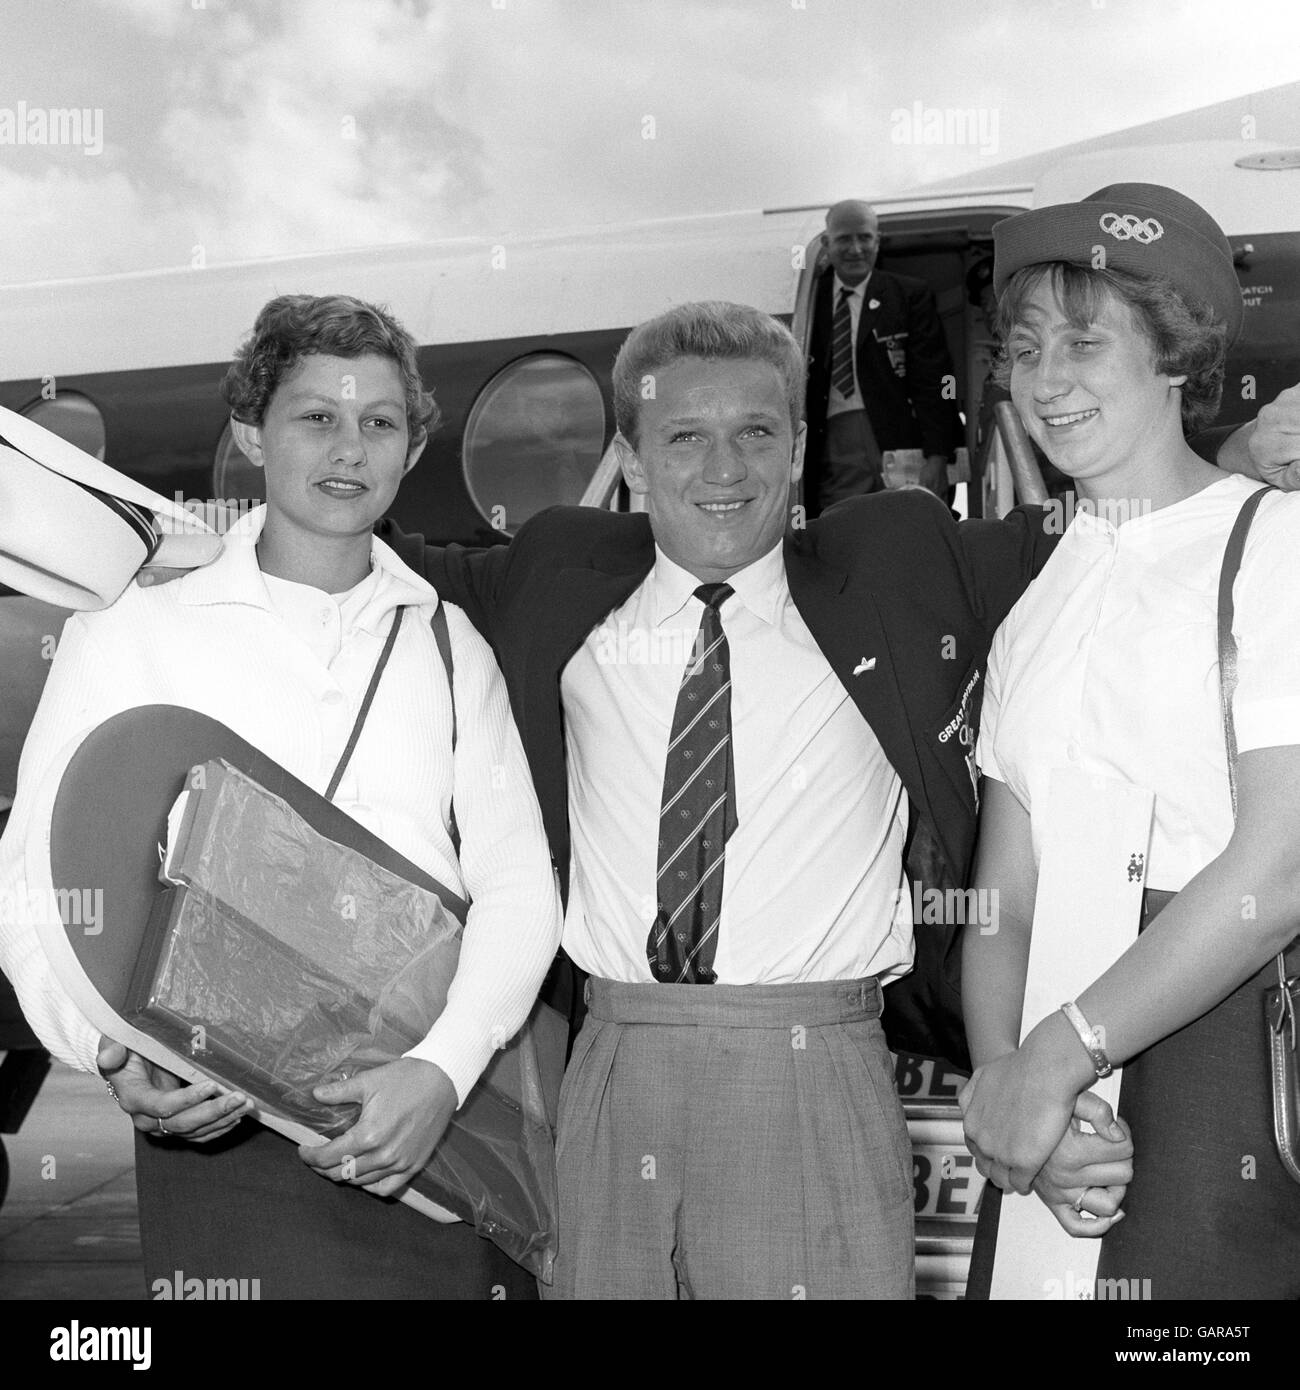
(443, 638)
(1228, 651)
(365, 704)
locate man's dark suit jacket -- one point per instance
(906, 412)
(902, 601)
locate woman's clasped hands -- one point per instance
(1028, 1133)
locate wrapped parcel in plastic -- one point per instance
(283, 959)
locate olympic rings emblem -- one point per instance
(1124, 226)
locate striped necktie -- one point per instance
(842, 345)
(698, 812)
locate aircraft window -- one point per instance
(533, 438)
(73, 417)
(235, 481)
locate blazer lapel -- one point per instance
(848, 629)
(867, 318)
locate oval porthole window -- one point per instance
(237, 484)
(73, 417)
(533, 438)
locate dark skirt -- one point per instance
(1211, 1212)
(248, 1208)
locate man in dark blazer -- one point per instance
(852, 680)
(895, 388)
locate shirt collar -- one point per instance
(760, 586)
(1119, 522)
(234, 577)
(859, 288)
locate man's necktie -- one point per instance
(698, 811)
(842, 345)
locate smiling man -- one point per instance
(732, 788)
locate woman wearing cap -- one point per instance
(278, 639)
(1116, 313)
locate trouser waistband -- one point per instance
(815, 1005)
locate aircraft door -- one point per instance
(814, 262)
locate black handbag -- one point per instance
(1282, 1000)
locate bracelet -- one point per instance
(1089, 1037)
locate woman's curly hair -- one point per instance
(293, 326)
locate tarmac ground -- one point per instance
(68, 1227)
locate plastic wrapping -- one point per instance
(280, 959)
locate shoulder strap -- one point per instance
(1228, 651)
(365, 704)
(1227, 642)
(442, 637)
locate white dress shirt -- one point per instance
(837, 403)
(1109, 663)
(813, 883)
(286, 667)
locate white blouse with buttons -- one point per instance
(1109, 663)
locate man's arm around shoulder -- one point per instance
(1005, 555)
(469, 576)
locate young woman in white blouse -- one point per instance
(1116, 313)
(278, 639)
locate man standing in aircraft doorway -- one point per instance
(880, 376)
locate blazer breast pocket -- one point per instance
(895, 346)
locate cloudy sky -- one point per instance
(266, 127)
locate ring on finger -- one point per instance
(163, 1130)
(1078, 1205)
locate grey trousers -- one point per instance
(852, 464)
(733, 1141)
